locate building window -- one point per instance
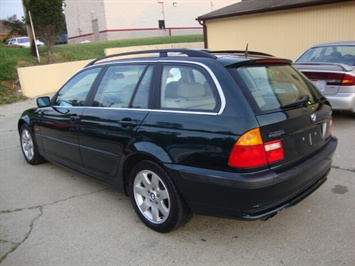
(161, 24)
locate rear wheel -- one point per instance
(155, 198)
(29, 146)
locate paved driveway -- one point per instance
(49, 215)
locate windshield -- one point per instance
(342, 54)
(275, 87)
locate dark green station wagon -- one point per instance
(228, 134)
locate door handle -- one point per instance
(74, 118)
(127, 123)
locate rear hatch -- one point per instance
(294, 117)
(328, 77)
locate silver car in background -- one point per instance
(331, 67)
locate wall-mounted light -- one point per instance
(174, 4)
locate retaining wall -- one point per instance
(47, 79)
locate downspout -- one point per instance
(162, 8)
(163, 13)
(205, 42)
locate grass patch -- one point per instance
(12, 58)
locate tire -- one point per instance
(29, 146)
(155, 198)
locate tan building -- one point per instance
(102, 20)
(284, 28)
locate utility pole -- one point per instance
(33, 43)
(30, 30)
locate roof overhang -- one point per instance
(262, 6)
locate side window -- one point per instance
(188, 88)
(76, 90)
(121, 83)
(140, 99)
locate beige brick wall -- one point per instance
(286, 33)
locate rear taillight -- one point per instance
(348, 80)
(330, 127)
(332, 78)
(327, 129)
(251, 151)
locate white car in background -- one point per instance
(22, 42)
(331, 67)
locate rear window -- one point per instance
(342, 54)
(274, 87)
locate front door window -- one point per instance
(74, 93)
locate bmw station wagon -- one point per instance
(185, 131)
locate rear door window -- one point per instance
(275, 87)
(124, 86)
(186, 87)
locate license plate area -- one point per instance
(309, 139)
(321, 84)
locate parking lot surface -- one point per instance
(50, 215)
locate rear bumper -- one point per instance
(342, 101)
(255, 195)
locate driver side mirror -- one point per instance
(43, 101)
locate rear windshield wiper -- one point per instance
(302, 101)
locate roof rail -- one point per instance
(240, 52)
(161, 52)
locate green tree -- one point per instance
(15, 25)
(48, 20)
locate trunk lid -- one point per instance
(303, 131)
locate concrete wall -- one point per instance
(149, 33)
(285, 33)
(79, 16)
(122, 19)
(47, 79)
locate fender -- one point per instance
(25, 119)
(151, 149)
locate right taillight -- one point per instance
(250, 151)
(348, 80)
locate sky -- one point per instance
(9, 8)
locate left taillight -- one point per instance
(332, 78)
(251, 151)
(330, 127)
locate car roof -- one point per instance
(226, 57)
(20, 38)
(335, 43)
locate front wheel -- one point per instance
(29, 146)
(155, 198)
